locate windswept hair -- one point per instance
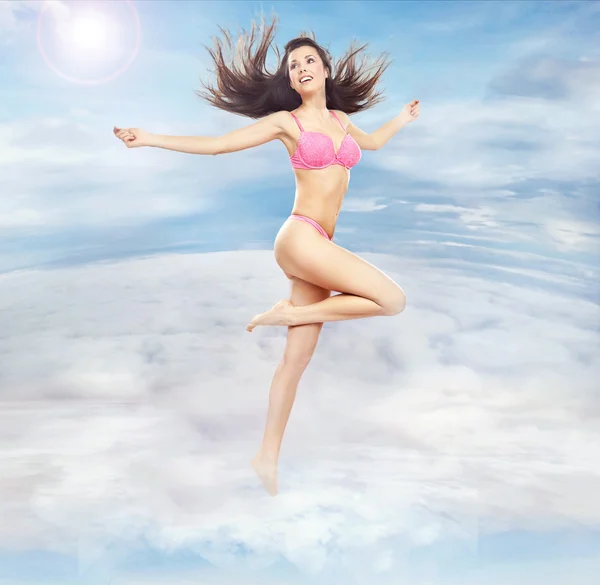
(247, 88)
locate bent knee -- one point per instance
(395, 304)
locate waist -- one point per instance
(327, 233)
(322, 187)
(327, 221)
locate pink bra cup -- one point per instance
(316, 150)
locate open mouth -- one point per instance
(306, 79)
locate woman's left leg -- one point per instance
(301, 343)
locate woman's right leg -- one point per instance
(301, 343)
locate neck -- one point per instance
(315, 105)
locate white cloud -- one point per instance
(363, 204)
(14, 18)
(8, 19)
(467, 145)
(473, 218)
(132, 393)
(513, 167)
(571, 235)
(545, 220)
(60, 172)
(69, 171)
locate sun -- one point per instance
(89, 32)
(88, 44)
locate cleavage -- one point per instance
(335, 150)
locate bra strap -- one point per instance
(336, 117)
(297, 122)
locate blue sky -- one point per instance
(455, 443)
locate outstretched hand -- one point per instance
(132, 137)
(410, 112)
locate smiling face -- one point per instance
(304, 62)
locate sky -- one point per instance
(455, 443)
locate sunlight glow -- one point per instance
(89, 32)
(88, 45)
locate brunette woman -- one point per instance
(305, 104)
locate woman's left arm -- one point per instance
(375, 140)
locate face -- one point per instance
(305, 62)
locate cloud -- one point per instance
(575, 234)
(445, 146)
(514, 169)
(550, 78)
(520, 169)
(133, 399)
(9, 16)
(132, 394)
(8, 19)
(363, 204)
(61, 172)
(16, 18)
(474, 219)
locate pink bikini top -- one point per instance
(316, 150)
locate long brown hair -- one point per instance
(246, 87)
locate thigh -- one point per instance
(302, 252)
(302, 339)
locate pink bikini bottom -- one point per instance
(313, 223)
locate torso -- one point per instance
(319, 192)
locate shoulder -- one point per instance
(343, 117)
(280, 117)
(283, 120)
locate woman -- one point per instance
(304, 104)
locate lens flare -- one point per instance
(89, 32)
(86, 38)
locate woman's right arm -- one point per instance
(266, 129)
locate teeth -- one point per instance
(305, 79)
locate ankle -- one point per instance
(291, 316)
(268, 455)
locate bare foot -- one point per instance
(267, 472)
(280, 314)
